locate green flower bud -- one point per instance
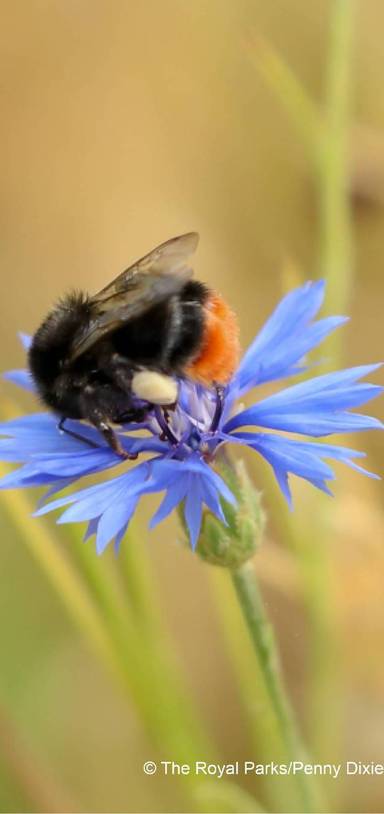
(231, 545)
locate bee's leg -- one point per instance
(107, 433)
(111, 438)
(93, 413)
(218, 407)
(166, 432)
(76, 435)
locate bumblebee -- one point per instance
(112, 357)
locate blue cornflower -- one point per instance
(182, 444)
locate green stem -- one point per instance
(263, 640)
(260, 725)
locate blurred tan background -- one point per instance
(124, 124)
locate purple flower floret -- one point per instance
(182, 444)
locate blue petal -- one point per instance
(113, 520)
(26, 476)
(25, 339)
(196, 478)
(301, 458)
(92, 500)
(40, 431)
(37, 438)
(35, 422)
(91, 528)
(58, 486)
(196, 465)
(212, 501)
(320, 484)
(283, 482)
(162, 473)
(363, 471)
(282, 360)
(119, 538)
(22, 378)
(281, 476)
(111, 504)
(114, 501)
(317, 425)
(82, 463)
(292, 313)
(38, 428)
(314, 407)
(193, 509)
(340, 388)
(219, 484)
(264, 358)
(174, 495)
(172, 470)
(335, 451)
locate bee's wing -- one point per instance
(156, 277)
(168, 258)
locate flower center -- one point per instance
(193, 423)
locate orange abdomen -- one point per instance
(220, 349)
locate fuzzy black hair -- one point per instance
(52, 341)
